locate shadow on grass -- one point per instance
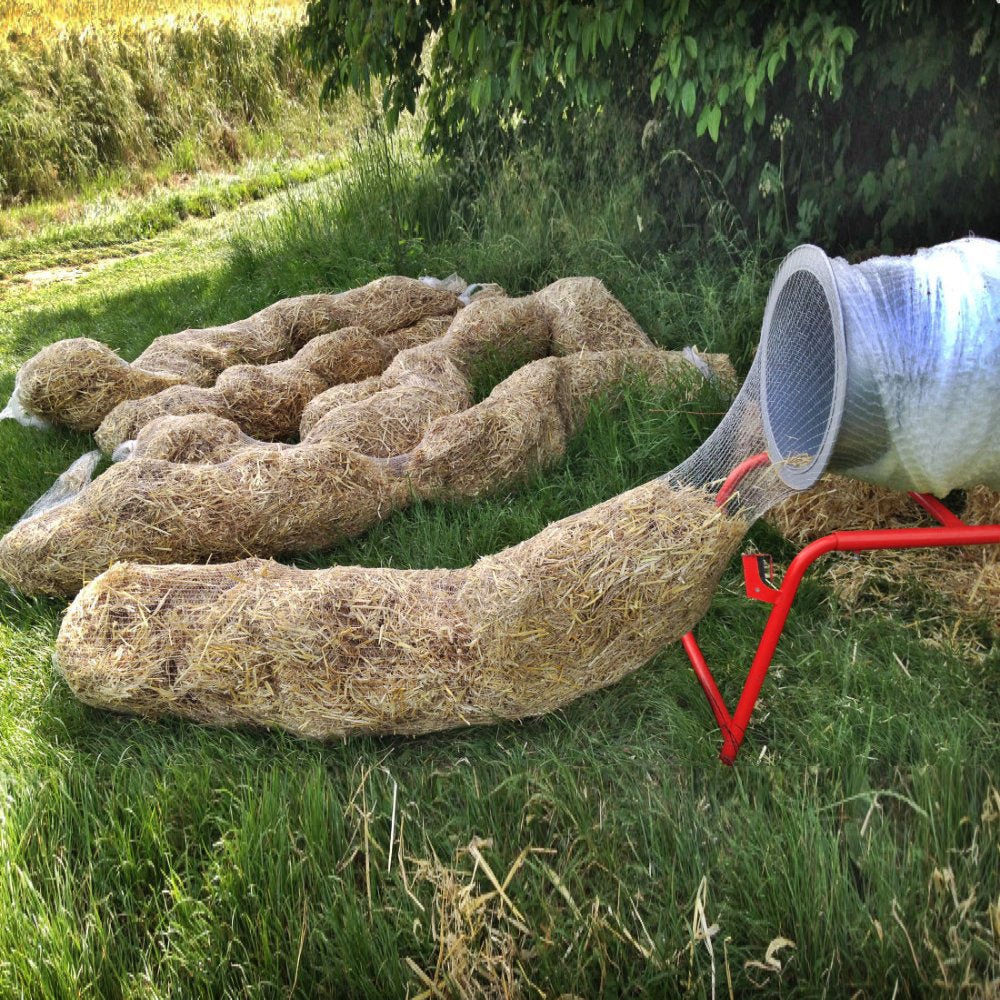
(128, 320)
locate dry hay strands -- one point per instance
(327, 653)
(78, 382)
(198, 438)
(837, 503)
(268, 500)
(982, 506)
(428, 378)
(376, 416)
(974, 577)
(583, 315)
(526, 422)
(571, 317)
(267, 401)
(568, 316)
(381, 307)
(969, 576)
(262, 500)
(388, 415)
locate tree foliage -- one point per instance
(823, 120)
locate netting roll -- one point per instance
(887, 370)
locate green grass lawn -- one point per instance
(599, 851)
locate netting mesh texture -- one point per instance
(196, 487)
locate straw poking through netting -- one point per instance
(268, 500)
(572, 314)
(327, 653)
(78, 382)
(267, 401)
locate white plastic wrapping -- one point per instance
(923, 368)
(887, 370)
(14, 410)
(67, 487)
(453, 283)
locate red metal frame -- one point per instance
(953, 531)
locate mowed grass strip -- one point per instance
(97, 228)
(601, 850)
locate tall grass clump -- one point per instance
(78, 101)
(385, 207)
(522, 219)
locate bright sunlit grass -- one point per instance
(854, 851)
(26, 18)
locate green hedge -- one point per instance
(873, 123)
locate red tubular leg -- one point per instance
(768, 642)
(953, 531)
(689, 642)
(843, 541)
(704, 675)
(937, 510)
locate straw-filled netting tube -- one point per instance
(267, 401)
(326, 653)
(330, 652)
(244, 497)
(78, 382)
(197, 488)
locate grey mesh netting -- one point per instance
(874, 369)
(885, 371)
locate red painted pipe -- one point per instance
(936, 509)
(953, 531)
(739, 473)
(838, 541)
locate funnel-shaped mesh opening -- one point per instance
(803, 363)
(789, 409)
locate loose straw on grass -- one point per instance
(969, 576)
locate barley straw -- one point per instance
(268, 500)
(326, 653)
(968, 576)
(360, 460)
(267, 401)
(837, 503)
(78, 382)
(570, 315)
